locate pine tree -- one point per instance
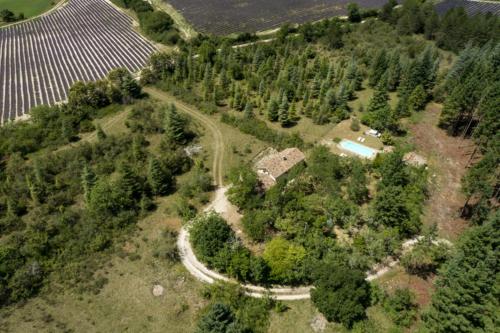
(272, 110)
(159, 179)
(466, 297)
(402, 108)
(138, 152)
(292, 116)
(378, 67)
(237, 99)
(379, 100)
(174, 126)
(316, 86)
(224, 81)
(380, 115)
(393, 71)
(305, 99)
(417, 99)
(129, 182)
(248, 113)
(342, 97)
(88, 182)
(36, 191)
(308, 109)
(262, 88)
(207, 82)
(283, 112)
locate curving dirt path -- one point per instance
(188, 258)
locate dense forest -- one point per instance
(67, 203)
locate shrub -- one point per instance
(355, 125)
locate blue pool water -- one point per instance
(358, 149)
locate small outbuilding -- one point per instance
(277, 164)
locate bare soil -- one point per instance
(448, 157)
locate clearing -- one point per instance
(447, 157)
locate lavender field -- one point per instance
(223, 17)
(471, 7)
(82, 41)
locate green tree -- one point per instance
(334, 36)
(353, 12)
(208, 234)
(256, 223)
(401, 307)
(7, 16)
(218, 319)
(417, 99)
(285, 260)
(245, 185)
(174, 126)
(377, 69)
(466, 296)
(341, 294)
(357, 190)
(283, 112)
(272, 110)
(88, 181)
(390, 209)
(248, 112)
(159, 178)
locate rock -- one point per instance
(157, 290)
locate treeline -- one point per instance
(471, 105)
(453, 31)
(156, 24)
(261, 131)
(63, 210)
(472, 275)
(301, 74)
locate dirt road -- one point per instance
(188, 258)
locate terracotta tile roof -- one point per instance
(277, 164)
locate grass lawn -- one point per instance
(126, 302)
(29, 8)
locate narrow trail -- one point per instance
(206, 121)
(203, 273)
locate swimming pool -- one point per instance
(356, 148)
